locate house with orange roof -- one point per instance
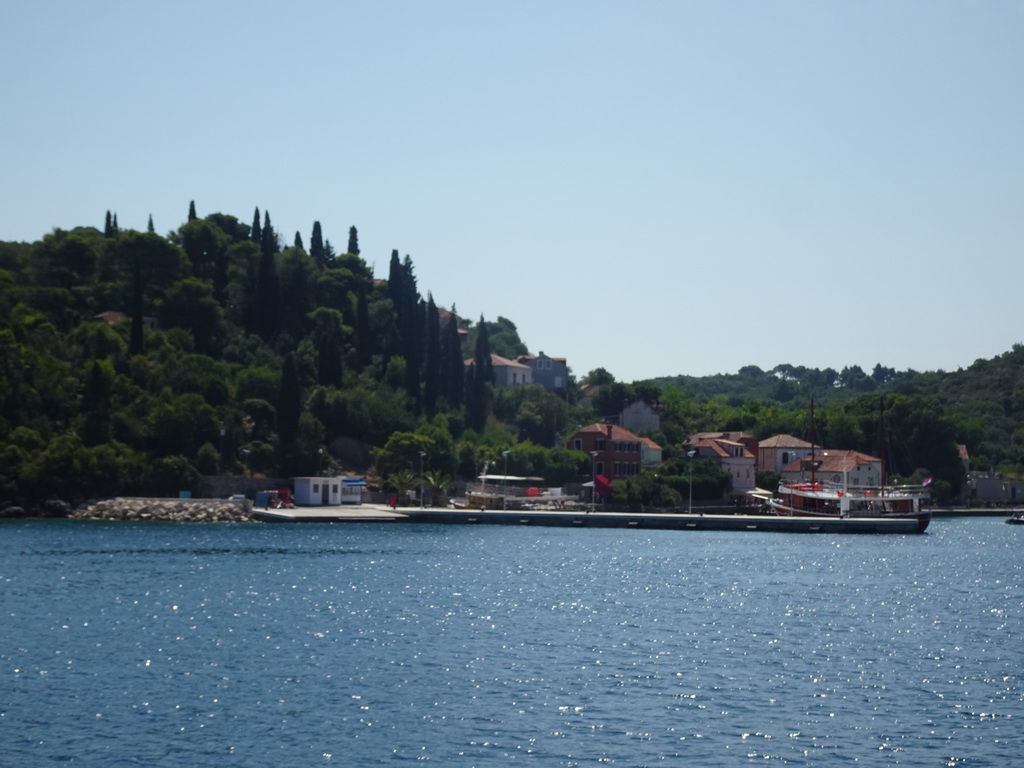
(747, 441)
(616, 452)
(732, 456)
(774, 453)
(850, 468)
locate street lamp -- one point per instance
(245, 453)
(593, 479)
(504, 482)
(320, 463)
(422, 454)
(691, 454)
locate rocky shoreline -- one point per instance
(170, 510)
(127, 508)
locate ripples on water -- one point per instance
(370, 644)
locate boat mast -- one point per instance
(814, 439)
(881, 440)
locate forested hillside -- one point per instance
(132, 363)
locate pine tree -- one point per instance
(316, 246)
(257, 232)
(192, 210)
(353, 241)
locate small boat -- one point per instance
(1017, 518)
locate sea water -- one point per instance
(128, 644)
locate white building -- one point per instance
(328, 491)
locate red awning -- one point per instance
(602, 486)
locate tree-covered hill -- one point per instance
(133, 363)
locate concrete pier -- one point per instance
(581, 519)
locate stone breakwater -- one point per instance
(171, 510)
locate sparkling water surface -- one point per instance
(376, 644)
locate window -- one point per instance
(599, 444)
(316, 487)
(599, 468)
(577, 444)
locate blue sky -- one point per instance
(655, 188)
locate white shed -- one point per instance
(328, 491)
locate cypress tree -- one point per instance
(316, 246)
(298, 240)
(454, 374)
(411, 330)
(481, 374)
(431, 358)
(257, 232)
(268, 285)
(115, 227)
(108, 226)
(269, 239)
(149, 227)
(192, 210)
(328, 253)
(353, 241)
(395, 279)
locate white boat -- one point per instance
(815, 499)
(835, 501)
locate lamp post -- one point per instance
(504, 482)
(422, 454)
(593, 479)
(320, 463)
(245, 453)
(689, 509)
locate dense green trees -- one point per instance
(240, 356)
(235, 356)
